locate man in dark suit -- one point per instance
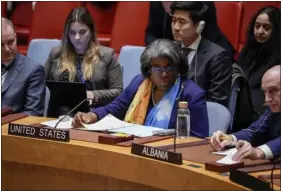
(210, 64)
(23, 80)
(261, 140)
(159, 25)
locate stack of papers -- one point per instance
(111, 124)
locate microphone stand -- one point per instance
(175, 137)
(79, 104)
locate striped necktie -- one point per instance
(4, 69)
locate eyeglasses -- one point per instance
(160, 71)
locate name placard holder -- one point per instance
(37, 132)
(155, 153)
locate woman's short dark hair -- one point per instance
(274, 17)
(163, 48)
(196, 9)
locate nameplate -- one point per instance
(37, 132)
(155, 153)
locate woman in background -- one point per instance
(261, 51)
(80, 58)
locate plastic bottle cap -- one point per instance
(183, 104)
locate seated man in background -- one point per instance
(23, 80)
(159, 25)
(265, 132)
(210, 65)
(152, 97)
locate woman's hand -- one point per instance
(81, 117)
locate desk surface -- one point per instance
(106, 161)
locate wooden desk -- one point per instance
(34, 164)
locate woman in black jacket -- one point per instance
(261, 51)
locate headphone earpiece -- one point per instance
(200, 27)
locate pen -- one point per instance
(222, 138)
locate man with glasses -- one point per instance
(23, 80)
(210, 65)
(152, 97)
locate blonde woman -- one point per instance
(80, 58)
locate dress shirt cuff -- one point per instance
(267, 151)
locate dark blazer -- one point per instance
(211, 69)
(24, 88)
(199, 125)
(266, 130)
(107, 78)
(159, 26)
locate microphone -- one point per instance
(276, 161)
(66, 115)
(175, 138)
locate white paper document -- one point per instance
(225, 152)
(62, 125)
(112, 124)
(137, 130)
(228, 159)
(109, 122)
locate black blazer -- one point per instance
(211, 69)
(159, 26)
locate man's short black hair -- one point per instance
(196, 9)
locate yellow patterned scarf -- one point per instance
(138, 108)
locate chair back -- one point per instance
(131, 32)
(229, 11)
(129, 59)
(219, 117)
(235, 89)
(39, 49)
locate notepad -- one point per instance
(228, 159)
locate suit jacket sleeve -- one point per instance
(258, 132)
(220, 81)
(35, 94)
(120, 105)
(199, 124)
(115, 80)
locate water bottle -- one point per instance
(183, 120)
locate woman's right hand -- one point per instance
(81, 117)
